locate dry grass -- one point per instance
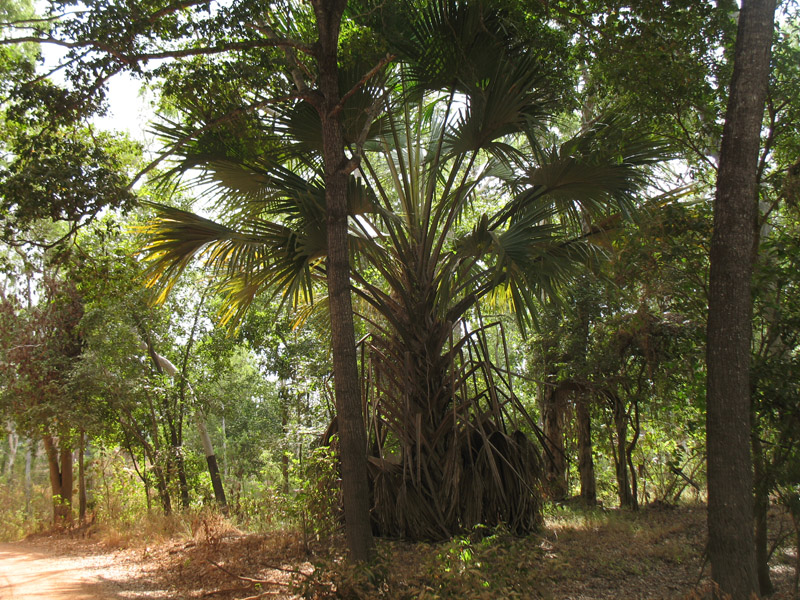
(578, 555)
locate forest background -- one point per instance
(529, 189)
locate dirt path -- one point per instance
(49, 569)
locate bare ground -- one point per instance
(655, 553)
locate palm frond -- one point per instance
(260, 255)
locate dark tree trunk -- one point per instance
(585, 459)
(352, 432)
(162, 488)
(629, 448)
(620, 452)
(211, 461)
(82, 479)
(555, 463)
(730, 472)
(216, 481)
(761, 501)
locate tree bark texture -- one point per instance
(585, 459)
(59, 461)
(620, 452)
(553, 408)
(761, 500)
(211, 460)
(629, 448)
(730, 470)
(352, 432)
(82, 479)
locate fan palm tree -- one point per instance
(457, 202)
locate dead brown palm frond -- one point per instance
(453, 451)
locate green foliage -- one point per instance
(117, 498)
(21, 514)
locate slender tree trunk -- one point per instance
(629, 448)
(226, 465)
(13, 446)
(585, 459)
(82, 479)
(211, 460)
(761, 506)
(67, 479)
(141, 470)
(352, 431)
(176, 449)
(29, 455)
(620, 455)
(164, 365)
(730, 472)
(159, 461)
(285, 454)
(162, 487)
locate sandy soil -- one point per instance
(58, 569)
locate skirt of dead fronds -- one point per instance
(479, 477)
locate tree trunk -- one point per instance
(13, 446)
(629, 448)
(211, 460)
(59, 461)
(81, 479)
(162, 488)
(730, 471)
(620, 454)
(28, 479)
(176, 449)
(585, 459)
(761, 506)
(285, 453)
(553, 405)
(352, 432)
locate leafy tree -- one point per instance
(41, 343)
(298, 49)
(618, 351)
